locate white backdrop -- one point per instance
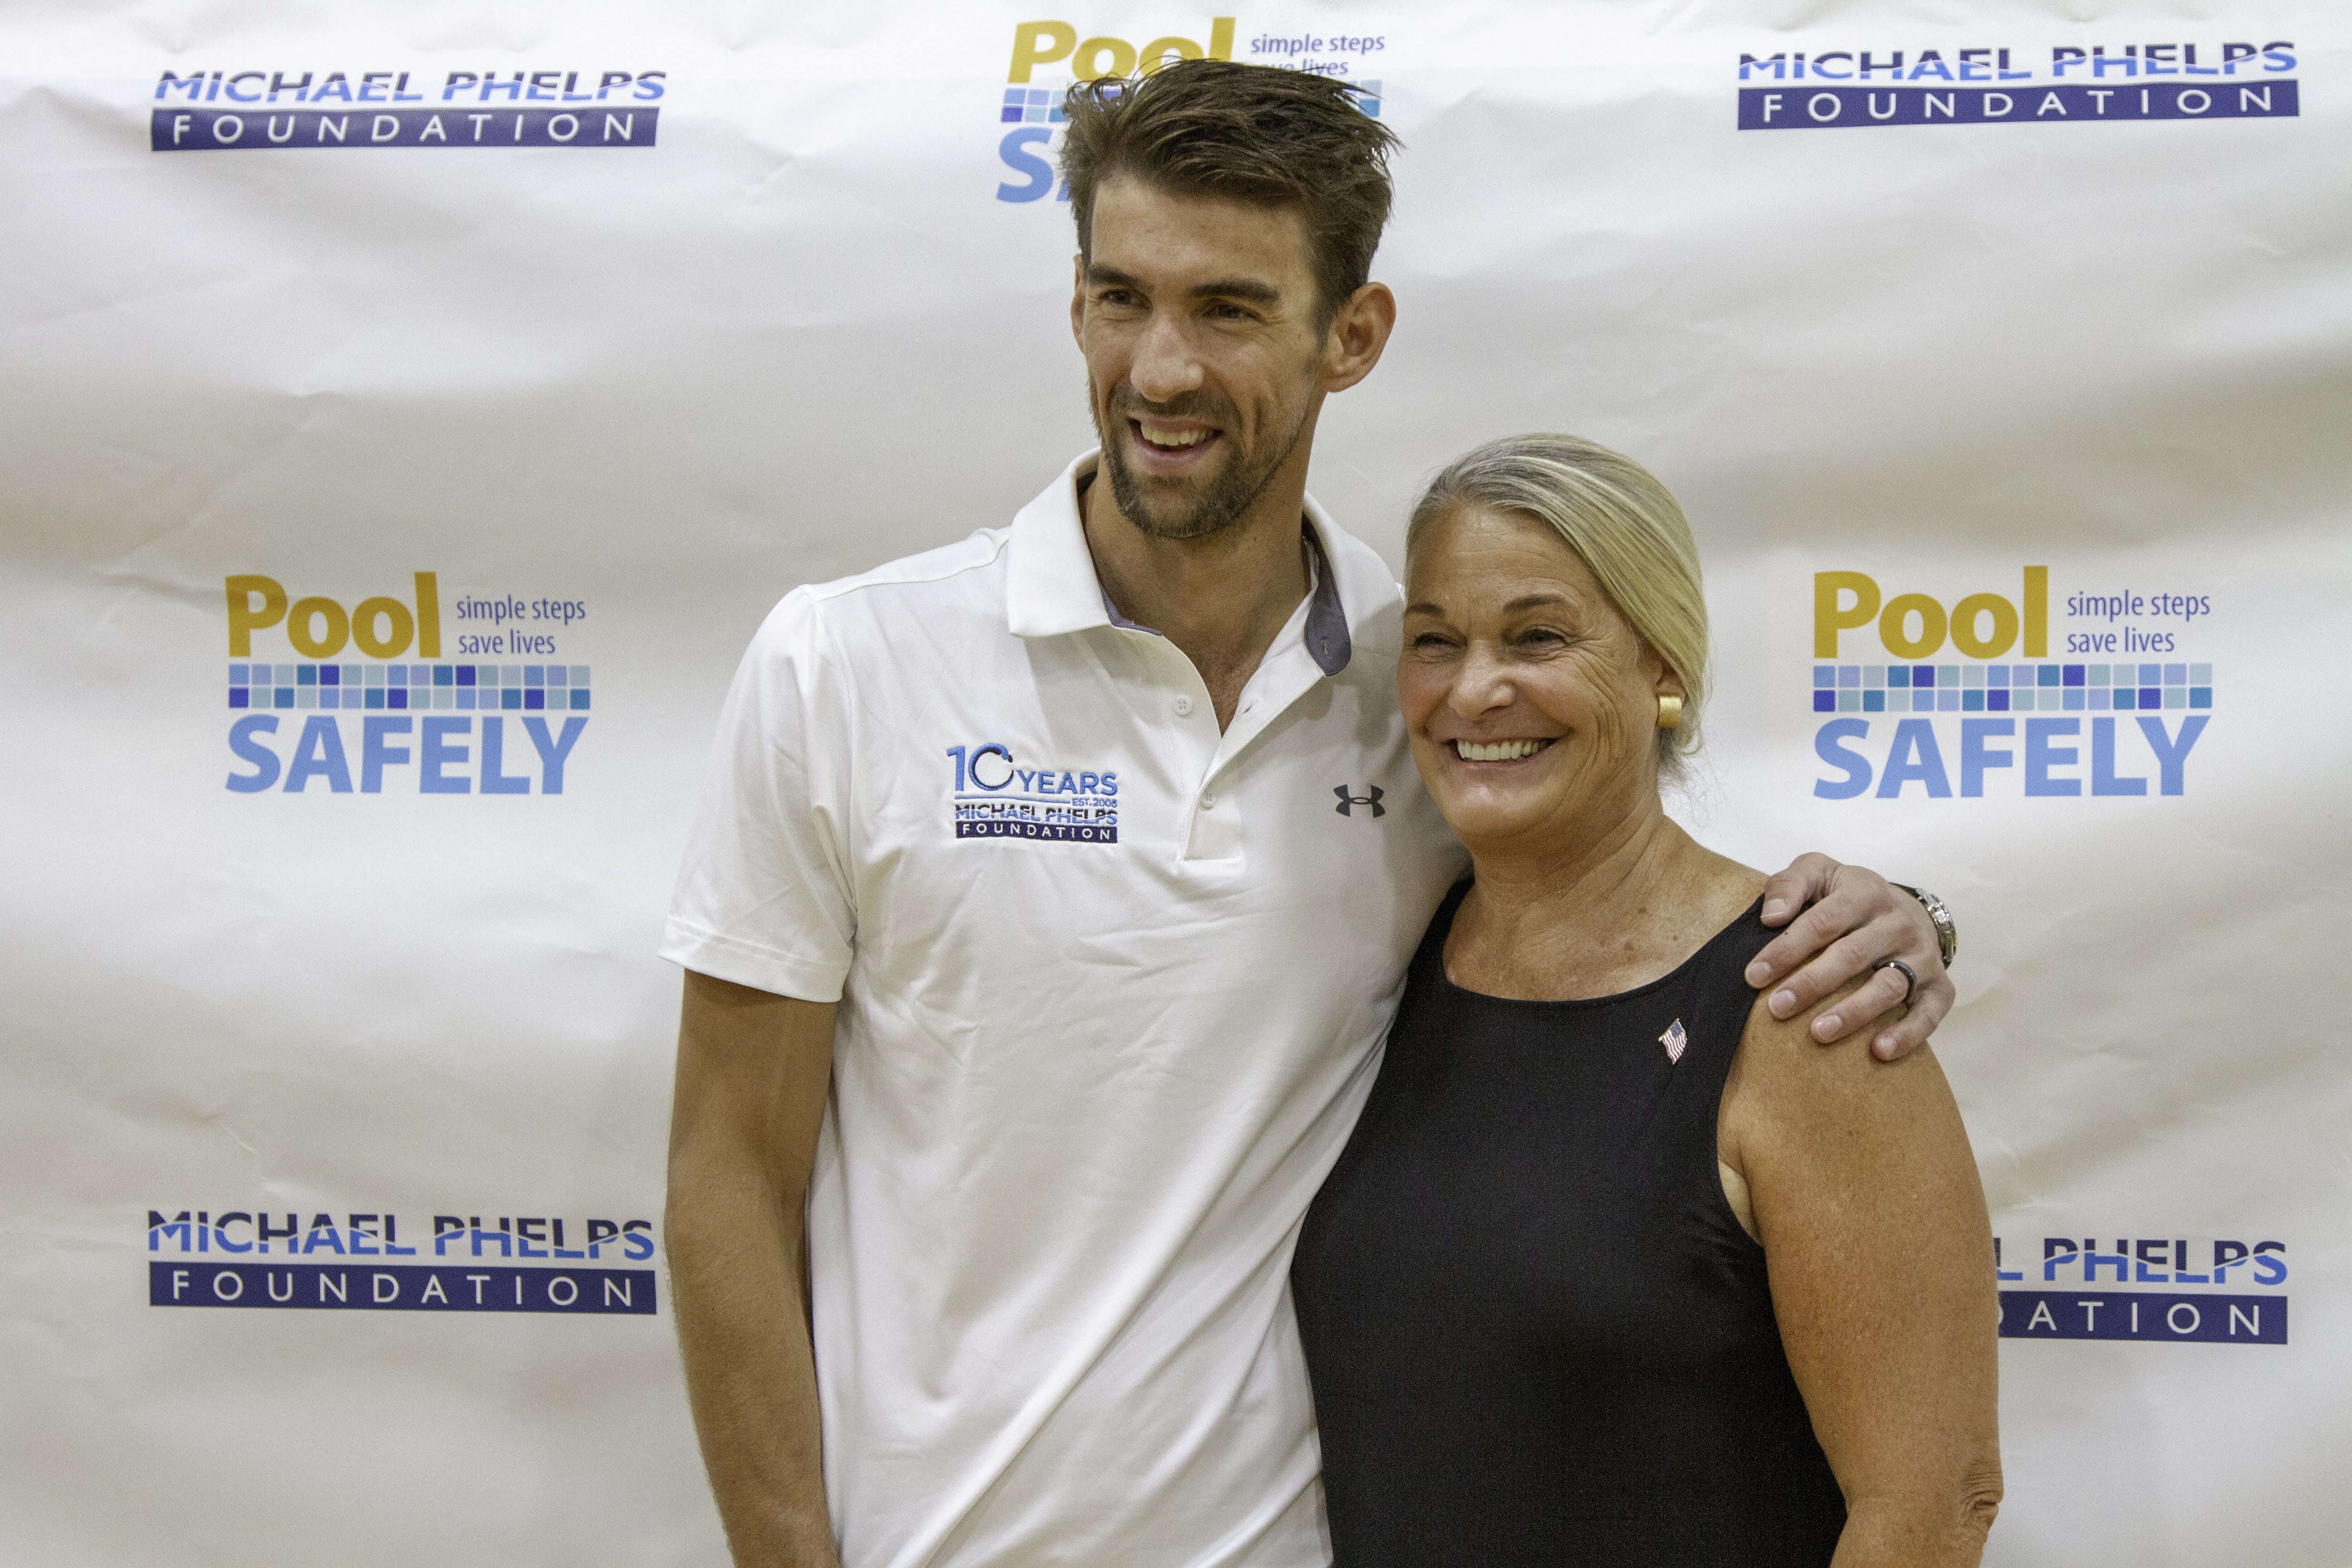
(617, 396)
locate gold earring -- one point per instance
(1670, 713)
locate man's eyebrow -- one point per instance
(1248, 288)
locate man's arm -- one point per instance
(1853, 920)
(752, 1073)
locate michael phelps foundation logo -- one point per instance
(224, 1260)
(2123, 680)
(2089, 84)
(228, 111)
(997, 796)
(335, 708)
(1032, 106)
(2083, 1291)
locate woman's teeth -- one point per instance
(1497, 750)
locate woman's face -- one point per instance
(1531, 702)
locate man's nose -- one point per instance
(1165, 365)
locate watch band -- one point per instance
(1939, 915)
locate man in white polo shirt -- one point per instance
(1045, 912)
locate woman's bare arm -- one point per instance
(1866, 1197)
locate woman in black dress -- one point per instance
(1616, 1267)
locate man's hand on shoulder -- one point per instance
(1844, 921)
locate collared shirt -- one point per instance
(1112, 985)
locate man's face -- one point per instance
(1204, 356)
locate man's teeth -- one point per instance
(1498, 752)
(1174, 439)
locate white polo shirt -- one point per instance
(1112, 988)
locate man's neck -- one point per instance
(1220, 599)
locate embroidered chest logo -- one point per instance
(995, 796)
(1674, 1040)
(1348, 801)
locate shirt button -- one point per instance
(1183, 707)
(1208, 800)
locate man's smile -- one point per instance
(1169, 447)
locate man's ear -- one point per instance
(1359, 336)
(1079, 298)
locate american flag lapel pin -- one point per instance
(1674, 1040)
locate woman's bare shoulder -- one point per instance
(1786, 1088)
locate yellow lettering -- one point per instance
(2037, 612)
(1039, 43)
(1156, 53)
(1102, 57)
(1220, 38)
(244, 615)
(1829, 618)
(428, 616)
(399, 627)
(1894, 625)
(327, 643)
(1964, 625)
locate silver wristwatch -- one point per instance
(1947, 932)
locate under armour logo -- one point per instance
(1674, 1040)
(1349, 802)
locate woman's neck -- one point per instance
(1591, 912)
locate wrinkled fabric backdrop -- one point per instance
(410, 411)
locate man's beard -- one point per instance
(1230, 494)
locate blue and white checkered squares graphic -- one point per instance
(2010, 688)
(1042, 105)
(1031, 105)
(404, 688)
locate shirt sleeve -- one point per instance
(765, 897)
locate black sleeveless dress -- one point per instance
(1537, 1332)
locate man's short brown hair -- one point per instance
(1243, 133)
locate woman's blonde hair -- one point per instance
(1622, 523)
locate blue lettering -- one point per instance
(264, 760)
(1856, 767)
(494, 782)
(2171, 752)
(375, 754)
(2041, 756)
(323, 1233)
(2103, 762)
(1915, 756)
(436, 753)
(319, 751)
(553, 750)
(1110, 783)
(1975, 758)
(1015, 150)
